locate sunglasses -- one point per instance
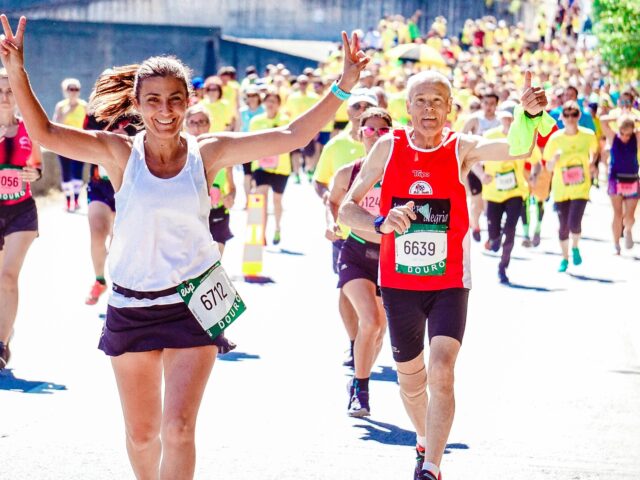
(212, 89)
(198, 123)
(73, 89)
(360, 106)
(371, 131)
(570, 114)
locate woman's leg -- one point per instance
(629, 219)
(15, 249)
(563, 231)
(139, 379)
(186, 372)
(277, 207)
(100, 226)
(616, 224)
(264, 190)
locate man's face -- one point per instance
(489, 105)
(429, 103)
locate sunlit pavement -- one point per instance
(547, 382)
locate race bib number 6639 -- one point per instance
(213, 300)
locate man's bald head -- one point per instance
(427, 76)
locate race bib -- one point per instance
(371, 202)
(215, 195)
(573, 175)
(213, 300)
(422, 249)
(627, 189)
(506, 181)
(269, 162)
(11, 186)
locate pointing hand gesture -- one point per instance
(355, 61)
(533, 99)
(11, 46)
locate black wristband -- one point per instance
(533, 116)
(39, 173)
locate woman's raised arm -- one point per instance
(226, 149)
(88, 146)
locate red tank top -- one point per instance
(15, 153)
(434, 253)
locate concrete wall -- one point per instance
(300, 19)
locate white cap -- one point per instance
(363, 95)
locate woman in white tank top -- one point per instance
(161, 234)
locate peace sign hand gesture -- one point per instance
(12, 46)
(533, 99)
(355, 61)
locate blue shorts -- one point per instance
(323, 138)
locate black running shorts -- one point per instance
(410, 313)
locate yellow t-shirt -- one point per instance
(278, 164)
(398, 107)
(339, 151)
(341, 114)
(220, 112)
(75, 118)
(298, 103)
(571, 177)
(508, 177)
(230, 92)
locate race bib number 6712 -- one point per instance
(213, 300)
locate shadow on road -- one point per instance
(388, 434)
(387, 374)
(585, 278)
(519, 286)
(284, 251)
(627, 372)
(9, 382)
(238, 357)
(592, 239)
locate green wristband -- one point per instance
(338, 92)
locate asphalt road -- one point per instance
(547, 382)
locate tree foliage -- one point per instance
(617, 25)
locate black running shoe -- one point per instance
(502, 275)
(417, 474)
(425, 475)
(359, 404)
(476, 235)
(348, 361)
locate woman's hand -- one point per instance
(355, 61)
(12, 46)
(533, 99)
(30, 174)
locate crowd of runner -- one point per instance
(358, 162)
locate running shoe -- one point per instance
(5, 354)
(628, 239)
(426, 475)
(526, 242)
(76, 206)
(276, 237)
(616, 249)
(310, 176)
(564, 264)
(476, 235)
(96, 290)
(296, 179)
(536, 239)
(420, 452)
(502, 275)
(359, 404)
(575, 254)
(348, 361)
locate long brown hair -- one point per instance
(115, 90)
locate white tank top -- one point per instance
(161, 230)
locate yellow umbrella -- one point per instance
(418, 52)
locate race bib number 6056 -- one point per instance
(213, 300)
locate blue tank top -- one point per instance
(624, 156)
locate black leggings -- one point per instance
(495, 211)
(570, 214)
(525, 210)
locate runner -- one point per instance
(570, 156)
(504, 188)
(220, 110)
(252, 108)
(272, 173)
(223, 190)
(71, 111)
(538, 192)
(102, 207)
(623, 177)
(341, 150)
(424, 215)
(161, 239)
(358, 266)
(20, 164)
(477, 125)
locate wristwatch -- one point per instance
(377, 223)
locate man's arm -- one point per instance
(473, 149)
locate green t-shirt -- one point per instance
(339, 151)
